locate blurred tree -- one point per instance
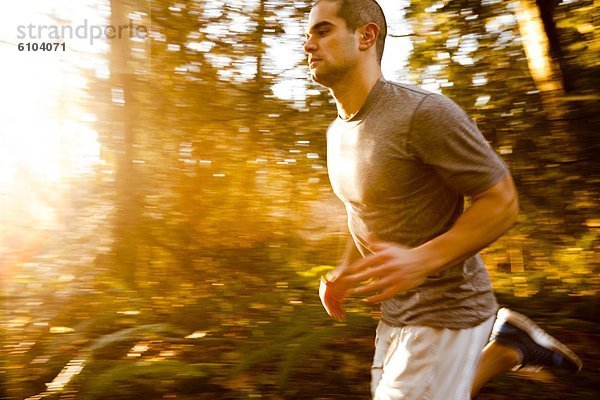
(542, 45)
(475, 53)
(128, 204)
(547, 68)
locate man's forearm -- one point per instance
(350, 255)
(490, 215)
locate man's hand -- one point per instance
(395, 268)
(333, 290)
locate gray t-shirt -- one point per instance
(402, 166)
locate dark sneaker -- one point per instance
(538, 348)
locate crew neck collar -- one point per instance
(364, 109)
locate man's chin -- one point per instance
(320, 78)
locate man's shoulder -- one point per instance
(426, 104)
(424, 98)
(406, 88)
(408, 97)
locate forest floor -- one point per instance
(304, 356)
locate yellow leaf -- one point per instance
(61, 329)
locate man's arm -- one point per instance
(350, 255)
(397, 268)
(333, 288)
(490, 215)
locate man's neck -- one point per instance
(352, 92)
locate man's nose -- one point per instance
(309, 46)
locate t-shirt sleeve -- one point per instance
(443, 136)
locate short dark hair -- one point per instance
(359, 12)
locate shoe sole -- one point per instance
(538, 334)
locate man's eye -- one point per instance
(322, 33)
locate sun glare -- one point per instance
(46, 133)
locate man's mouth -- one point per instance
(313, 61)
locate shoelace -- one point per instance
(536, 354)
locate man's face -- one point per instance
(332, 50)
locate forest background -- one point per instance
(166, 211)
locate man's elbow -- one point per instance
(513, 209)
(503, 202)
(507, 198)
(512, 203)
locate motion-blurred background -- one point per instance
(166, 213)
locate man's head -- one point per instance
(360, 12)
(341, 35)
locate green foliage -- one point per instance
(288, 348)
(316, 271)
(148, 380)
(121, 341)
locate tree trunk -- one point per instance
(127, 204)
(546, 74)
(546, 9)
(544, 70)
(257, 110)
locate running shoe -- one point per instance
(538, 348)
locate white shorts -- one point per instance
(424, 363)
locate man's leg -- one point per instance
(518, 342)
(495, 359)
(417, 362)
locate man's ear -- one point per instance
(368, 35)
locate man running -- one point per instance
(402, 159)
